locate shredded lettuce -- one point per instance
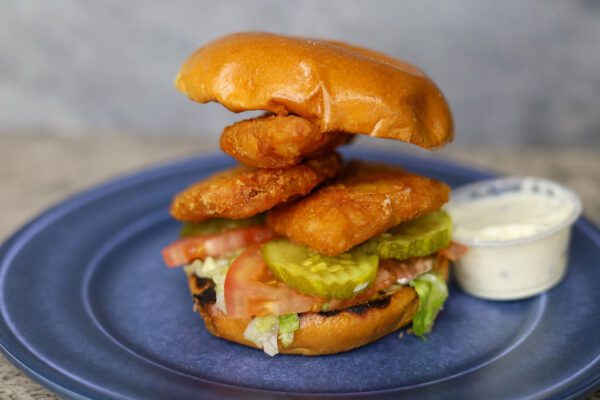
(288, 324)
(215, 269)
(433, 292)
(264, 331)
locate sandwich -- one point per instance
(295, 250)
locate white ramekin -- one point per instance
(518, 268)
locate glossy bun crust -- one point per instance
(320, 333)
(336, 86)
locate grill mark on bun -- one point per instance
(380, 303)
(206, 297)
(202, 282)
(359, 309)
(330, 313)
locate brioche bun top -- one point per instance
(337, 86)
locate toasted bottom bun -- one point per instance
(320, 332)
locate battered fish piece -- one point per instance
(277, 141)
(243, 191)
(365, 201)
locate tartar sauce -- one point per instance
(517, 233)
(507, 217)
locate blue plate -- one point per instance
(88, 309)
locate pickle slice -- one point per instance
(417, 238)
(309, 272)
(217, 225)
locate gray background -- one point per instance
(515, 72)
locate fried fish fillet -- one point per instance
(365, 201)
(277, 141)
(243, 191)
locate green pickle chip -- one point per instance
(216, 225)
(309, 272)
(417, 238)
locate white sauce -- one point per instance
(517, 240)
(507, 217)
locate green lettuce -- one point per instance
(433, 292)
(288, 324)
(264, 331)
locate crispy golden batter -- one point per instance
(365, 201)
(276, 141)
(243, 191)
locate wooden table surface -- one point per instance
(38, 171)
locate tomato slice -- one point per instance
(188, 249)
(251, 289)
(454, 251)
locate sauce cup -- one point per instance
(505, 268)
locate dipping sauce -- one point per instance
(517, 232)
(507, 217)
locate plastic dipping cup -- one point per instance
(517, 231)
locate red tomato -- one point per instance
(251, 289)
(188, 249)
(454, 251)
